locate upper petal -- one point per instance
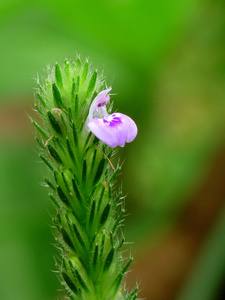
(98, 105)
(102, 98)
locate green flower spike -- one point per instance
(88, 210)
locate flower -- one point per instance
(112, 129)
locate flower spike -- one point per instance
(114, 129)
(87, 216)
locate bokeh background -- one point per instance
(166, 63)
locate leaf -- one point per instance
(109, 259)
(69, 283)
(105, 214)
(92, 83)
(53, 121)
(58, 75)
(54, 154)
(57, 96)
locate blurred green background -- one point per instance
(166, 63)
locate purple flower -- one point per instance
(115, 129)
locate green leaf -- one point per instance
(53, 121)
(78, 62)
(41, 144)
(105, 215)
(70, 151)
(54, 154)
(78, 84)
(132, 294)
(84, 171)
(78, 235)
(39, 109)
(76, 190)
(41, 130)
(85, 72)
(67, 239)
(58, 75)
(95, 257)
(81, 281)
(57, 96)
(87, 139)
(69, 283)
(62, 196)
(59, 142)
(92, 212)
(75, 138)
(115, 173)
(109, 259)
(119, 277)
(73, 91)
(55, 201)
(102, 244)
(65, 182)
(99, 171)
(48, 182)
(92, 83)
(118, 198)
(100, 199)
(118, 220)
(93, 159)
(41, 99)
(46, 162)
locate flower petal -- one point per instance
(114, 130)
(101, 99)
(98, 107)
